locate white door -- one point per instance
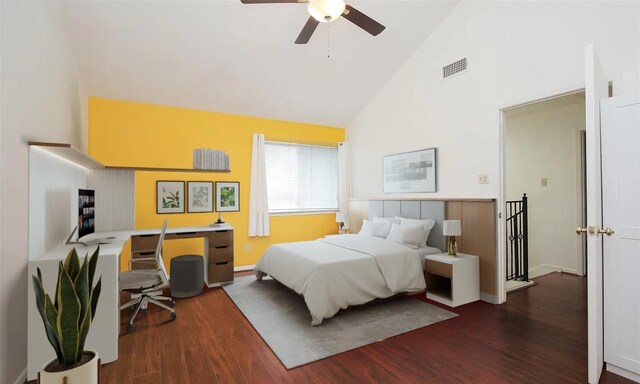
(620, 141)
(596, 88)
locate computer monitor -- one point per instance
(86, 212)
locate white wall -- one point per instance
(543, 141)
(53, 200)
(42, 99)
(517, 51)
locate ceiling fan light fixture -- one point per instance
(326, 11)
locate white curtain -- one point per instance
(344, 183)
(258, 201)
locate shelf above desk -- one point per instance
(68, 153)
(149, 169)
(76, 156)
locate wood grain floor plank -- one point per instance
(200, 368)
(150, 378)
(225, 367)
(232, 330)
(118, 372)
(538, 336)
(367, 368)
(395, 352)
(269, 361)
(173, 361)
(146, 342)
(252, 366)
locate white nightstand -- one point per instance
(452, 280)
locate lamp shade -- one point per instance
(341, 217)
(451, 228)
(326, 10)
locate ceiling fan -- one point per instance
(326, 11)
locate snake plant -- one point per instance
(68, 316)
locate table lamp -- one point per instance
(451, 229)
(340, 219)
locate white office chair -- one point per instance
(147, 283)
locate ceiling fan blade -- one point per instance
(363, 21)
(271, 1)
(308, 29)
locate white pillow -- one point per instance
(380, 229)
(392, 220)
(409, 235)
(428, 226)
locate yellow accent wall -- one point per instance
(129, 134)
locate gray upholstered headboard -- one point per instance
(418, 209)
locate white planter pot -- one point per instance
(87, 373)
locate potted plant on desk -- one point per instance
(67, 319)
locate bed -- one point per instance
(339, 271)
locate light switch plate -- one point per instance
(247, 247)
(483, 178)
(543, 182)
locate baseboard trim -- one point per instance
(546, 269)
(523, 285)
(492, 299)
(623, 372)
(22, 378)
(542, 270)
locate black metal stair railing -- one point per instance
(517, 240)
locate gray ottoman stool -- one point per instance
(187, 276)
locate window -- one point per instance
(301, 177)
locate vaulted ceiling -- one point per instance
(229, 57)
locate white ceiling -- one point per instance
(229, 57)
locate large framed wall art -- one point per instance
(410, 172)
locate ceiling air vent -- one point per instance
(453, 68)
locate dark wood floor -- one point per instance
(539, 336)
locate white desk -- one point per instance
(105, 329)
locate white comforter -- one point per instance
(338, 271)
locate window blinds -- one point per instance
(301, 177)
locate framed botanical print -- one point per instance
(199, 196)
(169, 196)
(227, 196)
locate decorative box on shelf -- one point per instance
(452, 280)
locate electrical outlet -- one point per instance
(247, 247)
(483, 178)
(543, 182)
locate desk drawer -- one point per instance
(144, 242)
(220, 239)
(221, 272)
(438, 268)
(220, 254)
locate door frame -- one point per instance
(502, 199)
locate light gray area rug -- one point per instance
(282, 319)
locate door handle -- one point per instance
(607, 231)
(590, 230)
(594, 231)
